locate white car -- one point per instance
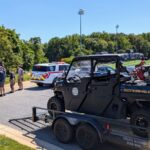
(47, 73)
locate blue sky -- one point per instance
(51, 18)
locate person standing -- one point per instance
(20, 77)
(140, 69)
(2, 79)
(12, 81)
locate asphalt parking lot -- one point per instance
(16, 112)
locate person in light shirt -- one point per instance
(20, 77)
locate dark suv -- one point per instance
(103, 94)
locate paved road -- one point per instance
(16, 112)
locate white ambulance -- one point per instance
(47, 73)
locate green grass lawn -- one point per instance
(130, 63)
(135, 62)
(9, 144)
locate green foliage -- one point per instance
(67, 60)
(68, 46)
(14, 51)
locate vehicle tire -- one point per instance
(63, 131)
(39, 84)
(87, 137)
(140, 118)
(55, 103)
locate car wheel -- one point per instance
(63, 131)
(87, 137)
(55, 103)
(140, 118)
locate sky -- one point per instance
(59, 18)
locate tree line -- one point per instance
(15, 51)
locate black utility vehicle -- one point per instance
(102, 93)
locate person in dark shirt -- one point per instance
(12, 81)
(2, 79)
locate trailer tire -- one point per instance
(63, 131)
(87, 137)
(55, 103)
(140, 118)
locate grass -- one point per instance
(9, 144)
(130, 63)
(27, 77)
(135, 62)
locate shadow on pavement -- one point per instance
(39, 130)
(38, 88)
(42, 131)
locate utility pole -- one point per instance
(117, 26)
(81, 12)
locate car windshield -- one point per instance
(43, 68)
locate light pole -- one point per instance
(117, 26)
(81, 12)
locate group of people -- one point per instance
(12, 79)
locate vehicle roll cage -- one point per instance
(99, 58)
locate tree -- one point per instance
(37, 47)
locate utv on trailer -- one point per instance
(96, 85)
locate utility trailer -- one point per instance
(91, 130)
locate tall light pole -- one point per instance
(81, 12)
(117, 26)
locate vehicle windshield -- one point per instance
(43, 68)
(80, 68)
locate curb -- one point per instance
(31, 142)
(17, 136)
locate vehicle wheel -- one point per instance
(140, 118)
(55, 103)
(39, 84)
(63, 131)
(87, 137)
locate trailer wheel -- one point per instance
(55, 103)
(140, 118)
(87, 137)
(63, 131)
